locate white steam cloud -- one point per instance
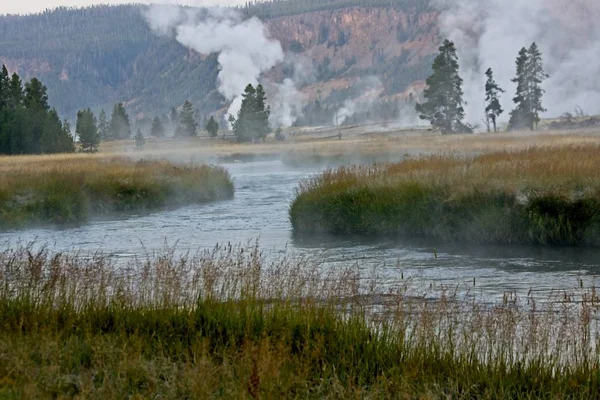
(369, 89)
(489, 33)
(245, 50)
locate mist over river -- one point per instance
(260, 211)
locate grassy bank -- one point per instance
(71, 189)
(228, 324)
(547, 196)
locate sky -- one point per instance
(34, 6)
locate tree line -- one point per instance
(443, 107)
(27, 123)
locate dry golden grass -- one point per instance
(360, 142)
(541, 195)
(229, 323)
(69, 188)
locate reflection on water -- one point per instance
(260, 210)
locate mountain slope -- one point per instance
(96, 56)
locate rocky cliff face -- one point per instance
(95, 57)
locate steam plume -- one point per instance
(244, 47)
(489, 33)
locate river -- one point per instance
(260, 211)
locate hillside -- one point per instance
(100, 55)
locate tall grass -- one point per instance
(546, 196)
(227, 323)
(70, 190)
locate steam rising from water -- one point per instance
(245, 50)
(489, 33)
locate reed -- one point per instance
(542, 196)
(69, 190)
(230, 323)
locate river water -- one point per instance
(260, 211)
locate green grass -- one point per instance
(38, 191)
(543, 196)
(228, 324)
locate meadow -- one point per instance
(230, 323)
(70, 189)
(540, 196)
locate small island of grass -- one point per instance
(539, 196)
(69, 189)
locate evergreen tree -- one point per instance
(188, 124)
(157, 130)
(444, 95)
(87, 130)
(15, 91)
(528, 99)
(140, 141)
(212, 127)
(4, 87)
(120, 127)
(493, 108)
(103, 126)
(253, 118)
(35, 95)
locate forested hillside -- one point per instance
(97, 56)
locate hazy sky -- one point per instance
(32, 6)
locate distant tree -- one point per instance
(444, 95)
(493, 108)
(157, 130)
(15, 91)
(27, 124)
(187, 122)
(253, 118)
(36, 96)
(279, 134)
(174, 117)
(528, 99)
(140, 141)
(103, 126)
(120, 127)
(87, 131)
(4, 87)
(212, 127)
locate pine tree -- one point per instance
(87, 130)
(35, 95)
(188, 124)
(444, 95)
(157, 130)
(212, 127)
(15, 91)
(103, 126)
(493, 108)
(528, 98)
(4, 87)
(120, 127)
(253, 118)
(140, 141)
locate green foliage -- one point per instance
(493, 108)
(140, 141)
(253, 118)
(103, 126)
(87, 131)
(528, 99)
(444, 94)
(120, 126)
(187, 127)
(27, 124)
(212, 127)
(157, 130)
